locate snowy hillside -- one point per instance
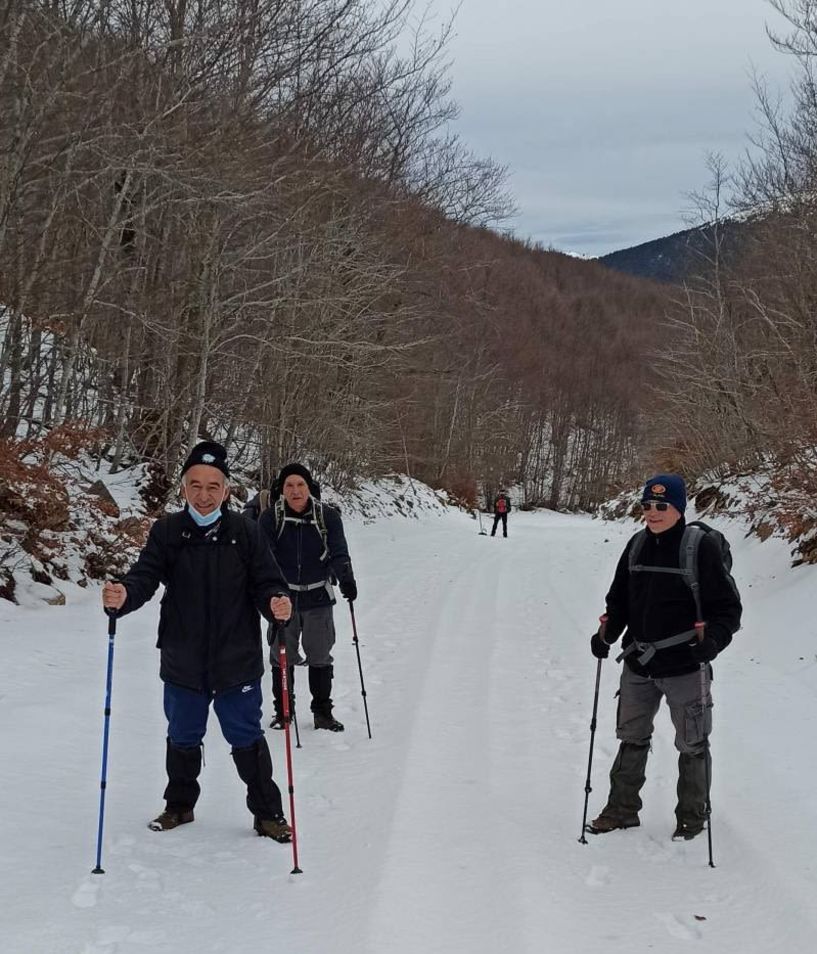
(455, 828)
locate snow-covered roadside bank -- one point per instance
(454, 829)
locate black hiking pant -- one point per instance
(504, 518)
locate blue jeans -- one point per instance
(238, 711)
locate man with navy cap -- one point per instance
(666, 652)
(218, 576)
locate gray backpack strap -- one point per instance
(635, 550)
(688, 560)
(648, 650)
(263, 501)
(279, 517)
(635, 553)
(319, 523)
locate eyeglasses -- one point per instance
(654, 505)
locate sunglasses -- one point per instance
(654, 504)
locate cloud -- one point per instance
(604, 111)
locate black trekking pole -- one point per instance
(587, 787)
(104, 775)
(360, 667)
(294, 718)
(282, 661)
(700, 630)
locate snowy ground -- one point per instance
(453, 830)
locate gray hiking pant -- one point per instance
(315, 630)
(640, 697)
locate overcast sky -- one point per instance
(604, 110)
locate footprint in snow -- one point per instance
(677, 928)
(598, 877)
(86, 894)
(122, 845)
(149, 876)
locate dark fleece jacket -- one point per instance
(655, 606)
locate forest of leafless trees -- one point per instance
(250, 220)
(740, 368)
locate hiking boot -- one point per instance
(606, 823)
(170, 819)
(684, 832)
(324, 720)
(279, 721)
(276, 828)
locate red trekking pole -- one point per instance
(282, 661)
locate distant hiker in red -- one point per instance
(502, 507)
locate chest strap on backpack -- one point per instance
(648, 650)
(282, 518)
(687, 567)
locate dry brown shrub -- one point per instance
(462, 489)
(71, 439)
(28, 492)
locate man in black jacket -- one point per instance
(218, 576)
(665, 655)
(307, 539)
(502, 507)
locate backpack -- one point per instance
(281, 519)
(694, 532)
(501, 505)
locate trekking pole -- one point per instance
(360, 667)
(282, 661)
(294, 716)
(587, 787)
(700, 630)
(104, 775)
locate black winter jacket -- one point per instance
(655, 606)
(217, 580)
(300, 552)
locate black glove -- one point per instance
(348, 588)
(705, 650)
(598, 646)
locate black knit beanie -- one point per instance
(298, 470)
(210, 453)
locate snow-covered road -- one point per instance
(455, 828)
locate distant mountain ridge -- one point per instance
(675, 258)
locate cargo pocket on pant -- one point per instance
(697, 722)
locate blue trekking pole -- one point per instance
(103, 781)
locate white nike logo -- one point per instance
(246, 688)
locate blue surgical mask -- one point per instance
(203, 519)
